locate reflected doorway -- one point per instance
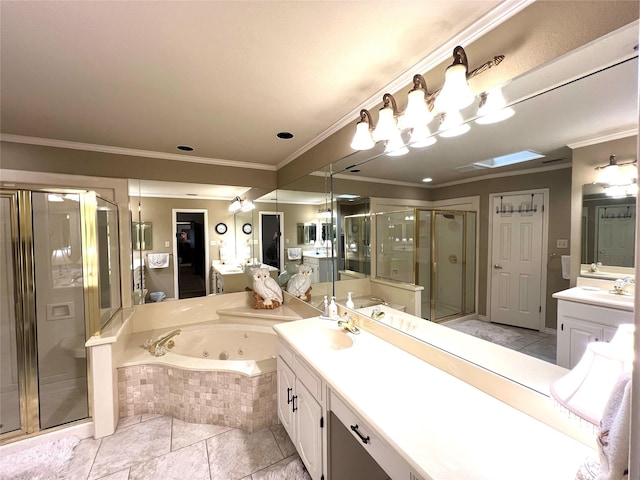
(271, 247)
(191, 273)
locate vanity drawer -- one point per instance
(381, 453)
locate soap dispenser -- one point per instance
(350, 303)
(333, 308)
(325, 309)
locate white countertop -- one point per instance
(596, 296)
(441, 426)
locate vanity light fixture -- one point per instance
(236, 205)
(617, 174)
(493, 107)
(363, 140)
(452, 124)
(387, 119)
(418, 111)
(456, 93)
(239, 205)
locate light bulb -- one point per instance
(362, 140)
(456, 93)
(386, 125)
(395, 146)
(493, 108)
(421, 137)
(452, 124)
(417, 112)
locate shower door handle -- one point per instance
(497, 267)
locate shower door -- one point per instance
(44, 367)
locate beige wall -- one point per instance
(559, 184)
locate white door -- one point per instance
(516, 260)
(615, 235)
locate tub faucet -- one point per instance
(157, 348)
(348, 325)
(381, 300)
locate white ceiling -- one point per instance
(225, 77)
(221, 76)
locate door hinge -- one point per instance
(322, 477)
(540, 309)
(321, 422)
(562, 327)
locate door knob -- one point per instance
(497, 266)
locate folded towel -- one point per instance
(566, 266)
(158, 260)
(294, 253)
(613, 440)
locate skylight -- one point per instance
(511, 159)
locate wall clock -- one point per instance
(247, 228)
(221, 228)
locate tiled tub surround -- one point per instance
(119, 345)
(218, 398)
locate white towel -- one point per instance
(566, 266)
(158, 260)
(613, 440)
(294, 253)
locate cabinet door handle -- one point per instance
(293, 400)
(357, 432)
(497, 267)
(289, 390)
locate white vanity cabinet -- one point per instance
(580, 324)
(300, 409)
(320, 266)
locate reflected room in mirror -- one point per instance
(608, 235)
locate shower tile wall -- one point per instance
(217, 398)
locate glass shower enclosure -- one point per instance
(435, 249)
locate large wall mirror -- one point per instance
(608, 235)
(586, 98)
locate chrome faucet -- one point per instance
(348, 324)
(157, 348)
(621, 284)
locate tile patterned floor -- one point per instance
(531, 342)
(158, 447)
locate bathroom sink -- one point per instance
(329, 338)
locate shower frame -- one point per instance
(23, 258)
(466, 268)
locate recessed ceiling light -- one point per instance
(427, 180)
(284, 135)
(185, 148)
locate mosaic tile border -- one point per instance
(217, 398)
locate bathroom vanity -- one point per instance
(321, 266)
(406, 419)
(588, 313)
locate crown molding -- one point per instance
(604, 138)
(90, 147)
